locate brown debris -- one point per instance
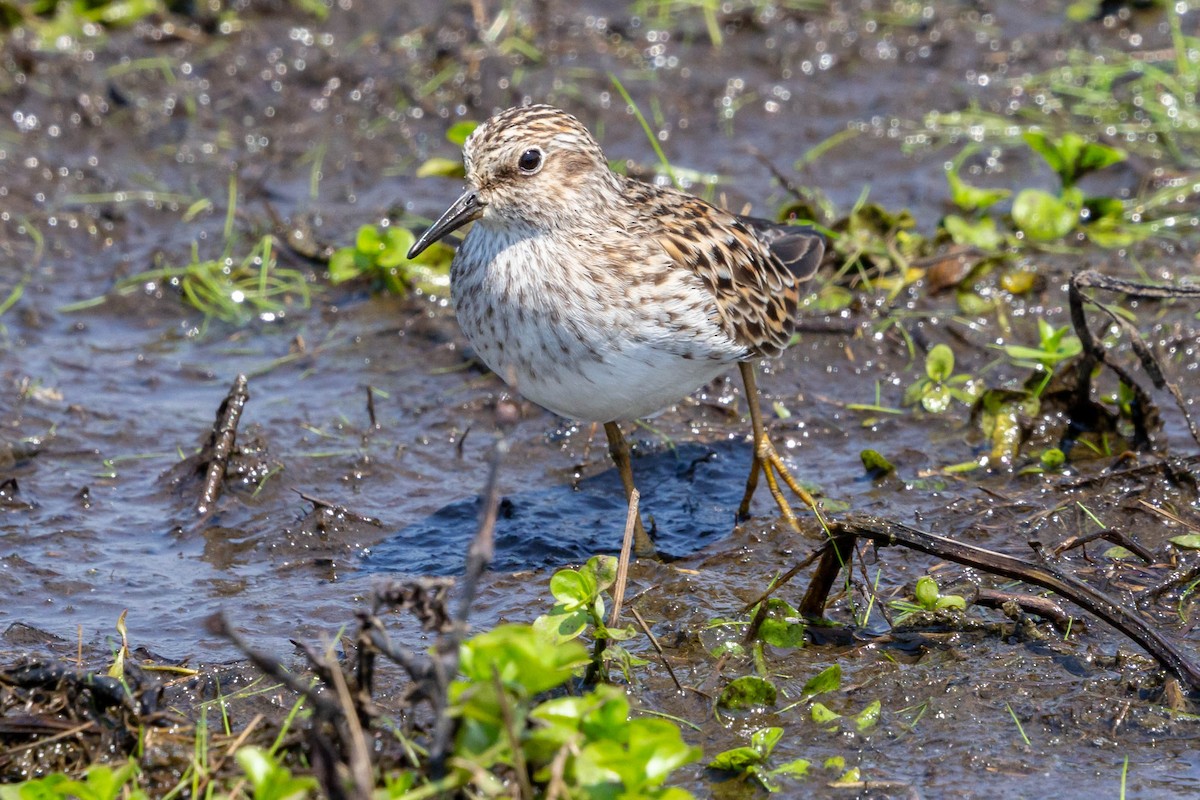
(839, 551)
(1095, 353)
(219, 447)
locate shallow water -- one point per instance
(322, 124)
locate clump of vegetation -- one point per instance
(231, 288)
(60, 24)
(52, 19)
(940, 386)
(755, 760)
(521, 717)
(1002, 411)
(233, 291)
(1073, 116)
(928, 597)
(579, 610)
(1039, 216)
(381, 257)
(588, 742)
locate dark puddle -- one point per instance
(690, 495)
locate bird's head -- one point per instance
(535, 166)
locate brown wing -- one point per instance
(753, 268)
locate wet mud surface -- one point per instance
(321, 124)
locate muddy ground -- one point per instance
(108, 144)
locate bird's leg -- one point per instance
(618, 448)
(766, 459)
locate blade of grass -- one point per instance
(658, 151)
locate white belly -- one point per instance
(624, 386)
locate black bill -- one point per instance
(465, 209)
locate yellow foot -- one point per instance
(766, 459)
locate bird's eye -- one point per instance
(530, 161)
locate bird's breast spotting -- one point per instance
(570, 339)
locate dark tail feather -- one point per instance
(800, 248)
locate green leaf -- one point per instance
(438, 167)
(565, 712)
(55, 786)
(825, 681)
(101, 782)
(573, 588)
(783, 626)
(653, 749)
(874, 462)
(1047, 335)
(796, 769)
(951, 601)
(1072, 156)
(1058, 347)
(368, 241)
(395, 247)
(1001, 421)
(197, 208)
(972, 303)
(980, 233)
(764, 740)
(1111, 233)
(1019, 352)
(822, 714)
(869, 716)
(1098, 156)
(459, 131)
(732, 647)
(1190, 541)
(255, 763)
(971, 198)
(971, 390)
(1100, 208)
(914, 392)
(343, 265)
(603, 570)
(939, 363)
(271, 780)
(561, 625)
(739, 759)
(1053, 458)
(936, 398)
(1083, 10)
(782, 632)
(748, 691)
(926, 592)
(602, 713)
(1042, 216)
(1073, 197)
(832, 299)
(525, 661)
(607, 716)
(1048, 149)
(1019, 281)
(850, 777)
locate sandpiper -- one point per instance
(602, 298)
